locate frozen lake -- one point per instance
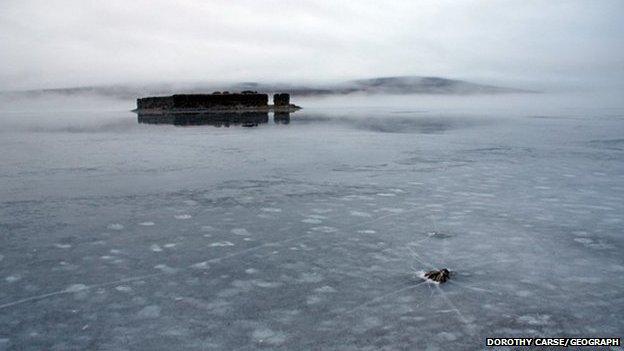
(116, 235)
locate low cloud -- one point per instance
(49, 44)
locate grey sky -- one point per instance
(60, 43)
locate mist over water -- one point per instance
(92, 112)
(312, 234)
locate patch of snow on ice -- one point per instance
(535, 320)
(165, 269)
(266, 336)
(324, 229)
(76, 288)
(152, 311)
(221, 244)
(12, 278)
(115, 226)
(325, 289)
(201, 265)
(123, 288)
(239, 231)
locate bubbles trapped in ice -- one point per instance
(597, 245)
(266, 336)
(324, 229)
(165, 269)
(392, 210)
(240, 231)
(76, 288)
(221, 244)
(151, 311)
(325, 289)
(123, 288)
(439, 235)
(115, 226)
(12, 278)
(531, 222)
(307, 277)
(313, 299)
(535, 320)
(201, 265)
(322, 210)
(272, 209)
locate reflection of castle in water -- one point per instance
(281, 117)
(248, 109)
(218, 119)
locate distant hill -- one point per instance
(382, 85)
(427, 85)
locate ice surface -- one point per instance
(311, 235)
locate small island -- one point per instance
(248, 108)
(217, 102)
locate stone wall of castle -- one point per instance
(204, 101)
(156, 103)
(281, 99)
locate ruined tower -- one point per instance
(281, 99)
